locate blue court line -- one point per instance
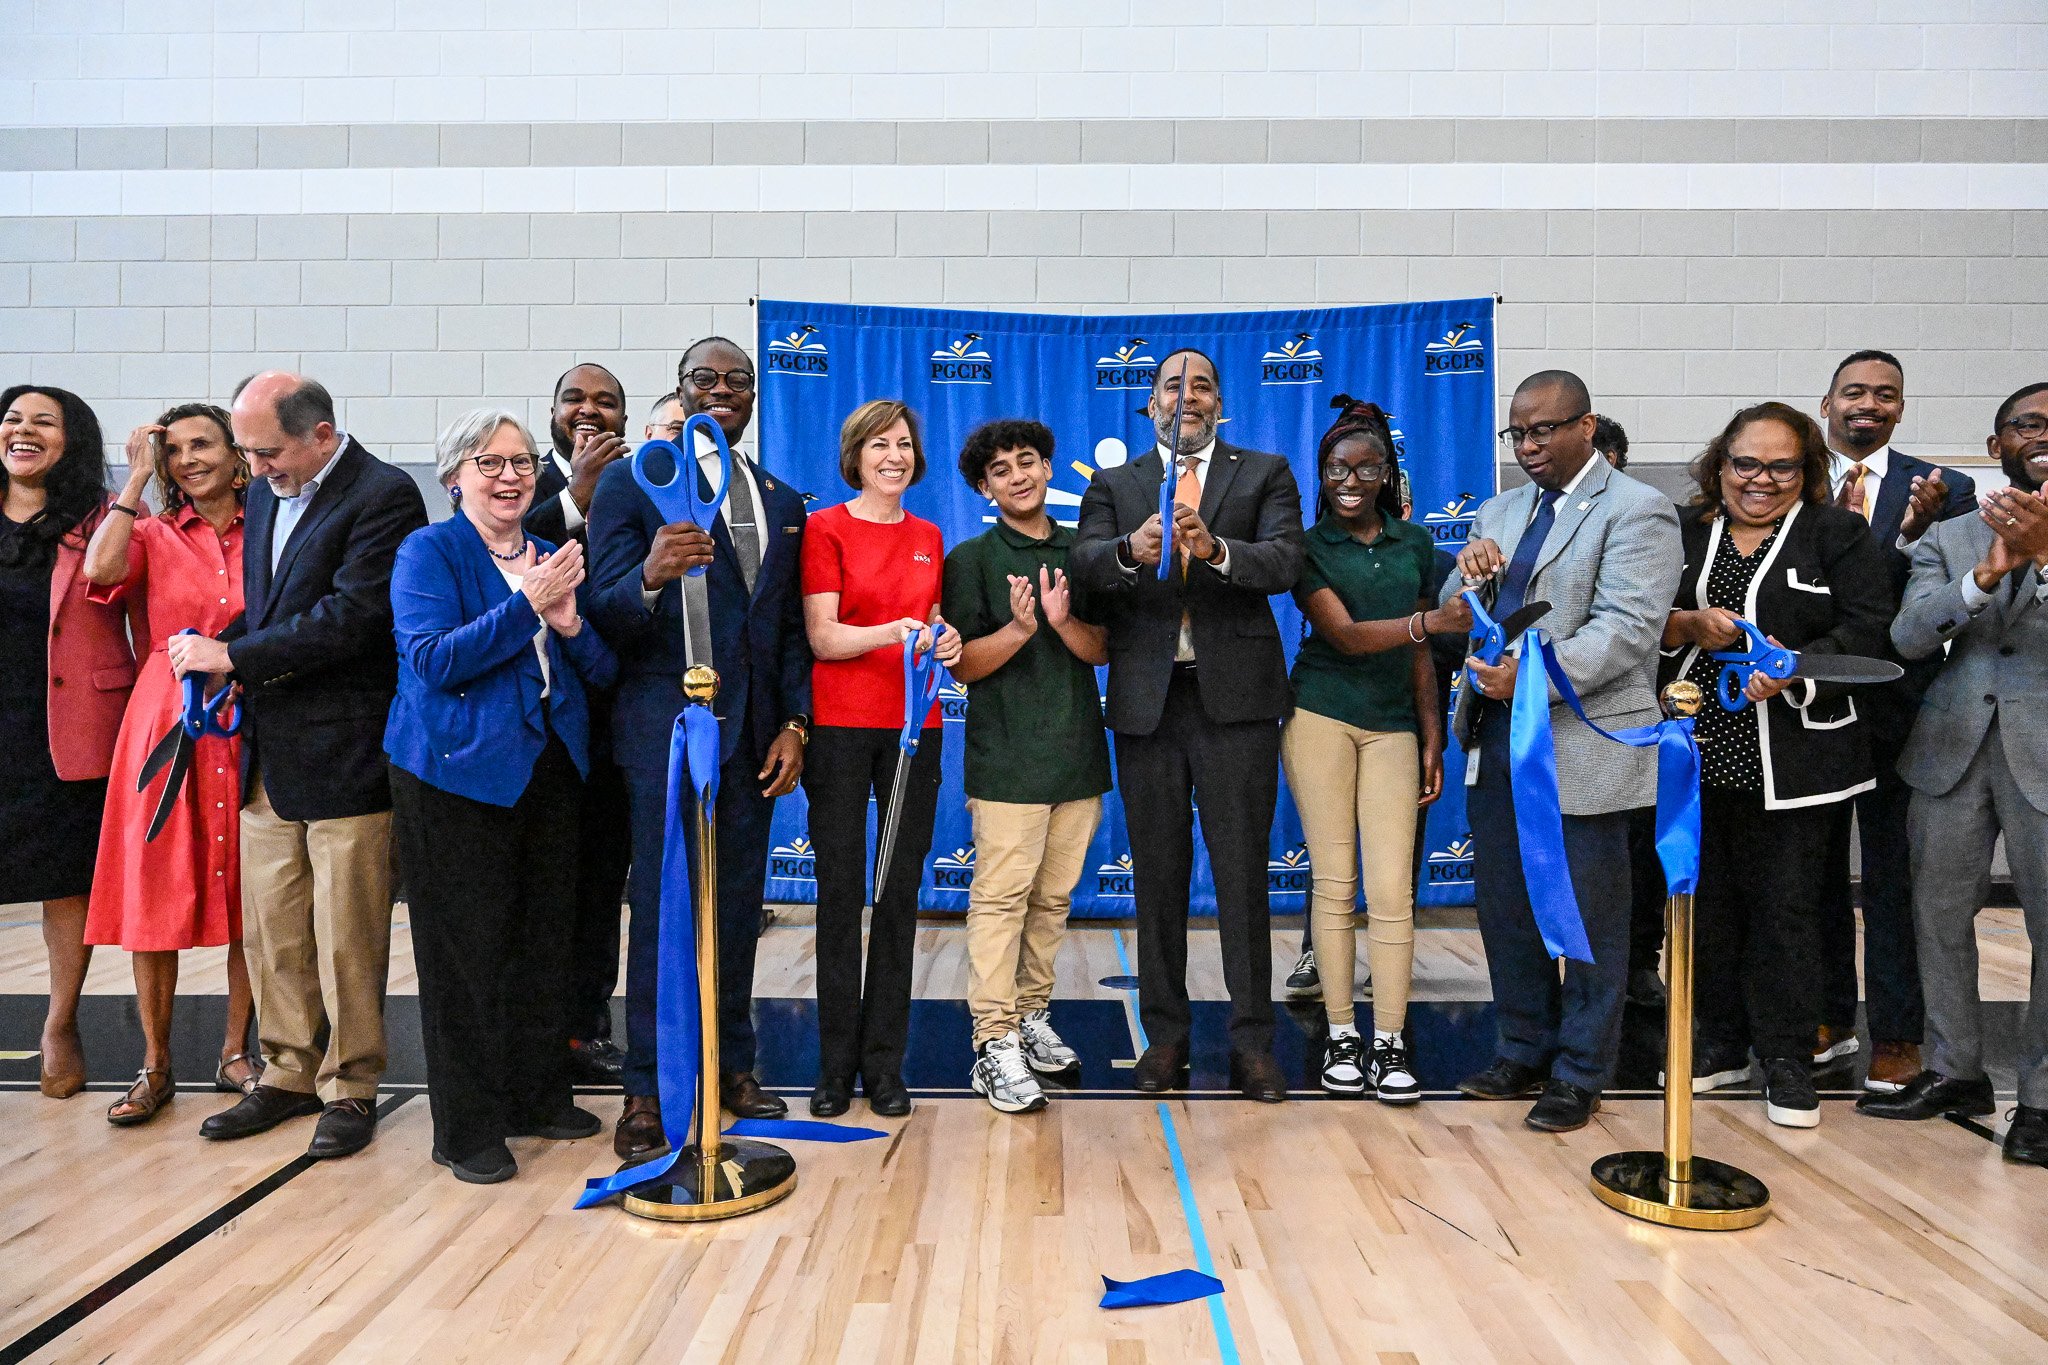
(1219, 1319)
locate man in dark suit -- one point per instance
(763, 660)
(314, 655)
(1197, 689)
(587, 427)
(1901, 497)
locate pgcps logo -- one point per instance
(1129, 366)
(1459, 351)
(1294, 362)
(1451, 865)
(1289, 872)
(965, 361)
(952, 702)
(954, 871)
(794, 862)
(1451, 525)
(801, 353)
(1116, 880)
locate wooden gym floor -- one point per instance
(1343, 1231)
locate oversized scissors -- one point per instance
(198, 717)
(678, 498)
(1171, 478)
(1491, 638)
(922, 674)
(1759, 655)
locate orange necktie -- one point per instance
(1188, 493)
(1852, 491)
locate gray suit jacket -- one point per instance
(1609, 569)
(1997, 666)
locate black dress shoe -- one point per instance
(2027, 1139)
(345, 1128)
(1930, 1095)
(886, 1096)
(831, 1099)
(566, 1125)
(744, 1098)
(259, 1111)
(639, 1136)
(1504, 1080)
(493, 1164)
(598, 1061)
(1257, 1077)
(1163, 1067)
(1564, 1107)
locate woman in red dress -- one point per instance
(182, 889)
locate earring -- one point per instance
(455, 495)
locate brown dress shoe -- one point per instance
(1892, 1067)
(744, 1098)
(1163, 1067)
(639, 1136)
(1258, 1077)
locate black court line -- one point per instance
(98, 1297)
(1970, 1125)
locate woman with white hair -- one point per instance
(489, 740)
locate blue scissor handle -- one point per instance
(202, 714)
(922, 673)
(678, 500)
(1489, 643)
(1758, 656)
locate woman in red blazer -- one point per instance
(66, 668)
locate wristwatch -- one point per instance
(800, 726)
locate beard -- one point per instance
(1868, 438)
(1163, 428)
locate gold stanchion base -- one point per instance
(751, 1176)
(1719, 1197)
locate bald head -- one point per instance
(1550, 423)
(284, 424)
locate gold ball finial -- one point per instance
(700, 684)
(1682, 698)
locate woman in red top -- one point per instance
(182, 889)
(870, 582)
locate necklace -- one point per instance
(507, 558)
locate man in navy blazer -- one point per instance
(314, 655)
(1901, 497)
(763, 660)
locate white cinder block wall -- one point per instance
(433, 203)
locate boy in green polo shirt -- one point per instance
(1037, 760)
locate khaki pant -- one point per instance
(1027, 859)
(1352, 786)
(316, 899)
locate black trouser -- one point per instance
(604, 849)
(1233, 772)
(1891, 953)
(864, 1021)
(1756, 924)
(1646, 894)
(491, 892)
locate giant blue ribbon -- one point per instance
(678, 1039)
(1539, 821)
(1175, 1286)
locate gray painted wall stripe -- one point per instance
(1031, 142)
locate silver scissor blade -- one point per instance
(892, 821)
(175, 783)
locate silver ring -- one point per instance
(2012, 521)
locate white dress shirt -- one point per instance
(572, 515)
(291, 510)
(516, 581)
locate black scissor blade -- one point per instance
(180, 761)
(1845, 668)
(159, 756)
(1521, 619)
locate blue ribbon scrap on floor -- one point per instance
(693, 749)
(802, 1130)
(1175, 1286)
(1539, 821)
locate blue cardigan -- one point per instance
(467, 718)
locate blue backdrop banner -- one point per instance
(1087, 378)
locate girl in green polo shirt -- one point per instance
(1364, 748)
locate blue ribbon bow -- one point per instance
(678, 498)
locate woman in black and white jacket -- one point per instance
(1763, 543)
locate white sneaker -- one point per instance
(1001, 1077)
(1043, 1050)
(1344, 1065)
(1388, 1073)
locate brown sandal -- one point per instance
(226, 1086)
(146, 1103)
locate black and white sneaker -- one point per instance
(1789, 1098)
(1000, 1077)
(1714, 1066)
(1044, 1052)
(1388, 1073)
(1303, 983)
(1344, 1065)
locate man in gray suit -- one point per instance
(1604, 551)
(1978, 765)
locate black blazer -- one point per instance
(544, 517)
(1892, 707)
(1249, 501)
(1824, 588)
(313, 648)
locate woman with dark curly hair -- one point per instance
(66, 669)
(1763, 543)
(182, 889)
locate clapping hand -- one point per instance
(550, 586)
(1927, 497)
(2019, 519)
(1023, 608)
(1055, 596)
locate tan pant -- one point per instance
(316, 899)
(1352, 786)
(1027, 859)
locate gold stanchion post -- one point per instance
(714, 1177)
(1673, 1187)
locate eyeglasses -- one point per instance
(669, 429)
(1539, 435)
(1336, 471)
(1748, 467)
(491, 466)
(2026, 426)
(739, 381)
